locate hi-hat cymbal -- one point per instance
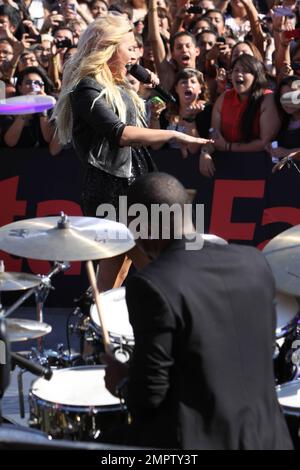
(17, 281)
(66, 238)
(283, 256)
(19, 329)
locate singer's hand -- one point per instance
(154, 80)
(187, 142)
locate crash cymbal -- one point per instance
(66, 238)
(283, 256)
(28, 104)
(19, 329)
(18, 281)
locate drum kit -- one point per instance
(70, 402)
(92, 407)
(282, 254)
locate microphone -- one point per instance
(292, 99)
(34, 368)
(143, 76)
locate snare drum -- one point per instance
(115, 316)
(287, 314)
(75, 404)
(289, 399)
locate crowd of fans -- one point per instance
(227, 62)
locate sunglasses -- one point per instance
(34, 82)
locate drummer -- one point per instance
(201, 375)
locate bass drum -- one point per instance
(75, 404)
(287, 316)
(289, 399)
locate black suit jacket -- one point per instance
(202, 370)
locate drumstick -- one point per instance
(93, 283)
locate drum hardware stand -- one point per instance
(295, 354)
(41, 293)
(291, 162)
(121, 353)
(21, 393)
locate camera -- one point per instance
(62, 43)
(196, 10)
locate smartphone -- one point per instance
(283, 11)
(72, 7)
(221, 39)
(62, 43)
(293, 34)
(37, 38)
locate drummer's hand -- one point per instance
(115, 372)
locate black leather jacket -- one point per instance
(97, 131)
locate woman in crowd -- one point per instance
(289, 135)
(104, 118)
(245, 118)
(29, 130)
(244, 47)
(191, 113)
(98, 8)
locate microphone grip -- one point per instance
(32, 367)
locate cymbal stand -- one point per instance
(42, 293)
(19, 302)
(21, 393)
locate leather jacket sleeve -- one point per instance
(95, 112)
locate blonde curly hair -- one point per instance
(96, 46)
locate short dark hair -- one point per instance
(49, 87)
(215, 10)
(179, 34)
(157, 188)
(121, 7)
(12, 14)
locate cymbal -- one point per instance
(19, 329)
(28, 104)
(66, 238)
(17, 281)
(283, 256)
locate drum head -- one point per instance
(115, 313)
(287, 308)
(76, 386)
(289, 395)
